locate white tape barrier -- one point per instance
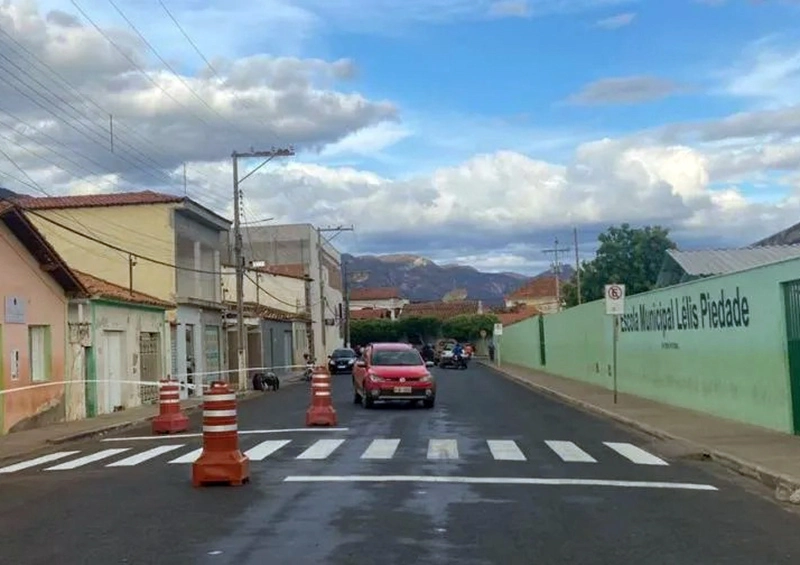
(156, 384)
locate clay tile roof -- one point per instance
(370, 314)
(509, 317)
(100, 288)
(386, 293)
(440, 310)
(542, 287)
(97, 200)
(266, 312)
(295, 271)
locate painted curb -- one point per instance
(786, 488)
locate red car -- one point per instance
(391, 372)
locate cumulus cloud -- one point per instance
(616, 22)
(510, 8)
(624, 90)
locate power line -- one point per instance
(557, 269)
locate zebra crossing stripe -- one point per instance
(190, 457)
(85, 460)
(635, 454)
(569, 452)
(505, 450)
(38, 461)
(442, 449)
(321, 449)
(381, 449)
(144, 456)
(265, 449)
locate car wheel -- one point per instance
(366, 401)
(429, 402)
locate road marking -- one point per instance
(144, 456)
(505, 450)
(38, 461)
(86, 459)
(442, 449)
(381, 449)
(635, 454)
(493, 481)
(321, 448)
(570, 452)
(241, 433)
(265, 449)
(190, 457)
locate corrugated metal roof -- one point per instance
(706, 262)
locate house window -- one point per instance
(39, 352)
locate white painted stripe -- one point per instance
(321, 449)
(170, 401)
(321, 393)
(442, 449)
(170, 394)
(381, 449)
(505, 450)
(266, 448)
(241, 432)
(220, 429)
(190, 457)
(219, 413)
(495, 481)
(144, 456)
(635, 454)
(321, 385)
(218, 397)
(81, 461)
(570, 452)
(38, 461)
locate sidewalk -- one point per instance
(773, 458)
(18, 444)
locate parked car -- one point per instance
(393, 372)
(341, 361)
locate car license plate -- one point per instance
(402, 390)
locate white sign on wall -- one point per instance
(615, 299)
(498, 329)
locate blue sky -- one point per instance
(493, 125)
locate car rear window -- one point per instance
(343, 353)
(396, 357)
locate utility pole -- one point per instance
(577, 264)
(131, 265)
(320, 254)
(346, 313)
(557, 269)
(237, 248)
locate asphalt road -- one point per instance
(519, 499)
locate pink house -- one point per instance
(35, 286)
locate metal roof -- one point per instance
(724, 261)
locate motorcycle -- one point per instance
(454, 361)
(309, 371)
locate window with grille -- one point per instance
(39, 352)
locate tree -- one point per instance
(468, 326)
(626, 255)
(420, 329)
(363, 332)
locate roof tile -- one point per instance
(97, 200)
(440, 310)
(101, 288)
(370, 314)
(295, 271)
(384, 293)
(540, 287)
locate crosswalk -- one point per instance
(383, 449)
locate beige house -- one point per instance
(378, 299)
(540, 293)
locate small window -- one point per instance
(39, 352)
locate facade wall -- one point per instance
(673, 348)
(141, 229)
(200, 248)
(285, 293)
(276, 339)
(44, 304)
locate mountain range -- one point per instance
(420, 279)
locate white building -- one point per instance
(302, 248)
(378, 299)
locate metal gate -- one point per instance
(150, 364)
(791, 299)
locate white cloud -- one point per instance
(624, 90)
(510, 8)
(768, 74)
(616, 22)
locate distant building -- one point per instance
(378, 299)
(540, 293)
(684, 266)
(442, 310)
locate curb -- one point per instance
(786, 488)
(116, 426)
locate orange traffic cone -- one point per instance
(321, 411)
(221, 460)
(170, 419)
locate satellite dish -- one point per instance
(455, 295)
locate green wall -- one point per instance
(737, 371)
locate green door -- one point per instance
(791, 299)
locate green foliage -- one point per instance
(468, 326)
(626, 255)
(421, 330)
